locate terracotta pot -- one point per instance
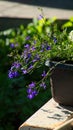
(62, 83)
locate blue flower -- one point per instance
(16, 65)
(12, 45)
(10, 74)
(29, 90)
(42, 48)
(43, 74)
(29, 55)
(27, 46)
(33, 48)
(24, 71)
(31, 93)
(13, 74)
(40, 17)
(26, 55)
(16, 45)
(48, 48)
(28, 37)
(43, 85)
(34, 41)
(55, 39)
(32, 85)
(36, 58)
(30, 96)
(30, 67)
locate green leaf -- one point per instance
(71, 19)
(67, 24)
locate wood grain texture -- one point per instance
(48, 117)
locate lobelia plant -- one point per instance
(43, 40)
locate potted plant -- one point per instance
(61, 62)
(44, 42)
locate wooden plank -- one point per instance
(68, 125)
(49, 117)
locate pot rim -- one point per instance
(50, 63)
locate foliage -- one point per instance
(68, 24)
(13, 39)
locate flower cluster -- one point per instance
(26, 62)
(41, 44)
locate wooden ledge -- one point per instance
(51, 116)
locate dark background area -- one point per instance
(63, 4)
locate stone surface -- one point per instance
(29, 10)
(48, 117)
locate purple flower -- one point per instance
(33, 48)
(26, 60)
(32, 85)
(26, 55)
(13, 74)
(42, 48)
(16, 65)
(29, 90)
(28, 37)
(40, 17)
(35, 92)
(16, 74)
(30, 67)
(31, 93)
(10, 74)
(43, 85)
(34, 41)
(12, 68)
(12, 45)
(27, 46)
(29, 55)
(16, 44)
(36, 58)
(48, 48)
(24, 71)
(55, 39)
(30, 96)
(43, 74)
